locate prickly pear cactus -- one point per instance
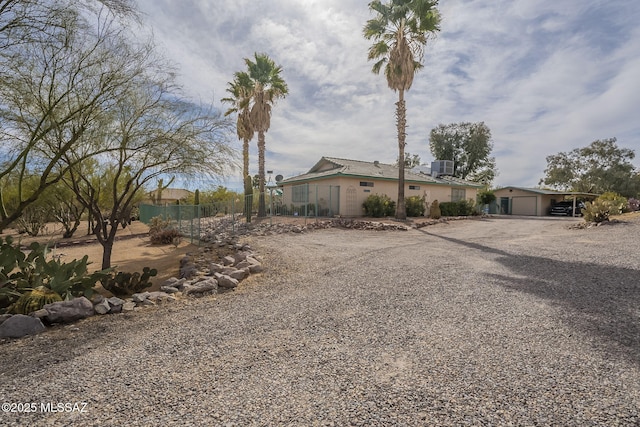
(35, 300)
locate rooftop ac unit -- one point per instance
(442, 167)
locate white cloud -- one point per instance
(545, 77)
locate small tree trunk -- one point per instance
(401, 117)
(107, 249)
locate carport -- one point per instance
(533, 201)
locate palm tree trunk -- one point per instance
(262, 211)
(248, 188)
(401, 122)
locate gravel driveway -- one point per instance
(486, 322)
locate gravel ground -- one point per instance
(491, 322)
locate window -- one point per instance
(414, 187)
(366, 184)
(300, 193)
(457, 194)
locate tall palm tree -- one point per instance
(400, 31)
(240, 90)
(268, 86)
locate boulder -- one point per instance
(157, 296)
(242, 264)
(20, 325)
(188, 271)
(215, 268)
(102, 307)
(238, 274)
(116, 304)
(69, 311)
(228, 260)
(4, 317)
(139, 297)
(208, 285)
(169, 289)
(225, 281)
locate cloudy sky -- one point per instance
(545, 76)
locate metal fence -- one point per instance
(193, 221)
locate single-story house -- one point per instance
(168, 196)
(533, 201)
(336, 186)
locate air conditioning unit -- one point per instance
(442, 167)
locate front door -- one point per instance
(504, 205)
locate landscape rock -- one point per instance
(116, 304)
(140, 297)
(188, 271)
(69, 311)
(169, 289)
(4, 317)
(216, 268)
(243, 264)
(225, 281)
(209, 285)
(40, 314)
(228, 260)
(128, 306)
(20, 325)
(157, 296)
(102, 307)
(238, 274)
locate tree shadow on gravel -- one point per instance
(599, 300)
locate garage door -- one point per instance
(524, 205)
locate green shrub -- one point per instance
(434, 210)
(121, 283)
(378, 206)
(459, 208)
(603, 207)
(486, 197)
(619, 204)
(414, 206)
(22, 272)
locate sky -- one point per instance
(544, 76)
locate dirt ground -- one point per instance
(132, 250)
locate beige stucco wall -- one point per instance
(543, 201)
(352, 195)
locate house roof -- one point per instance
(332, 167)
(172, 193)
(547, 192)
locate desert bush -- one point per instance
(434, 210)
(414, 206)
(379, 205)
(123, 283)
(163, 231)
(604, 206)
(619, 203)
(596, 211)
(33, 220)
